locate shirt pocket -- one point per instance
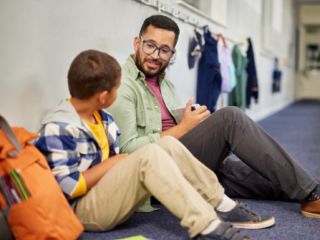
(141, 106)
(141, 116)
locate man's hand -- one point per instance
(190, 120)
(193, 118)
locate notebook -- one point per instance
(136, 238)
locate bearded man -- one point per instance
(144, 114)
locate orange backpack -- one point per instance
(37, 208)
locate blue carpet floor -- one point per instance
(297, 129)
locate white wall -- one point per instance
(39, 39)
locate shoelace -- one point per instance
(247, 209)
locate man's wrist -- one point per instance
(182, 128)
(177, 131)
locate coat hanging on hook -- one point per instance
(196, 48)
(252, 85)
(209, 77)
(227, 68)
(276, 77)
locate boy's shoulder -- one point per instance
(64, 122)
(106, 116)
(64, 114)
(109, 122)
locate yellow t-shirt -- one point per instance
(99, 133)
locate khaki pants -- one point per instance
(166, 170)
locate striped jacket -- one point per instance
(69, 146)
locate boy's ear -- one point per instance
(102, 97)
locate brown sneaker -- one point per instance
(311, 209)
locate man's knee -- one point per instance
(231, 111)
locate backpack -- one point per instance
(30, 196)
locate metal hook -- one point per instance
(175, 13)
(148, 2)
(186, 19)
(161, 6)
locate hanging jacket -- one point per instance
(195, 49)
(209, 77)
(276, 77)
(227, 69)
(237, 97)
(252, 85)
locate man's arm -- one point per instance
(124, 111)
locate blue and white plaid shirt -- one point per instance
(70, 147)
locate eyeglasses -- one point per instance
(150, 48)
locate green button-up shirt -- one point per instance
(136, 110)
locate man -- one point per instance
(143, 111)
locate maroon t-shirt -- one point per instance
(166, 117)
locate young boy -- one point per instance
(80, 143)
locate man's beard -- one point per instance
(148, 74)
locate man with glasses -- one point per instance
(143, 112)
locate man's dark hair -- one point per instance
(160, 21)
(92, 72)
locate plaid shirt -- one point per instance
(71, 149)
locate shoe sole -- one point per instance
(310, 215)
(259, 225)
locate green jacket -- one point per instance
(238, 95)
(136, 110)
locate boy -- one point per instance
(80, 143)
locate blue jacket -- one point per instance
(209, 77)
(252, 85)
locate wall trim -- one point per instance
(269, 111)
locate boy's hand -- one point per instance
(193, 118)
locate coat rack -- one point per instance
(175, 13)
(162, 7)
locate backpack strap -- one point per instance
(9, 133)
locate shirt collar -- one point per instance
(136, 73)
